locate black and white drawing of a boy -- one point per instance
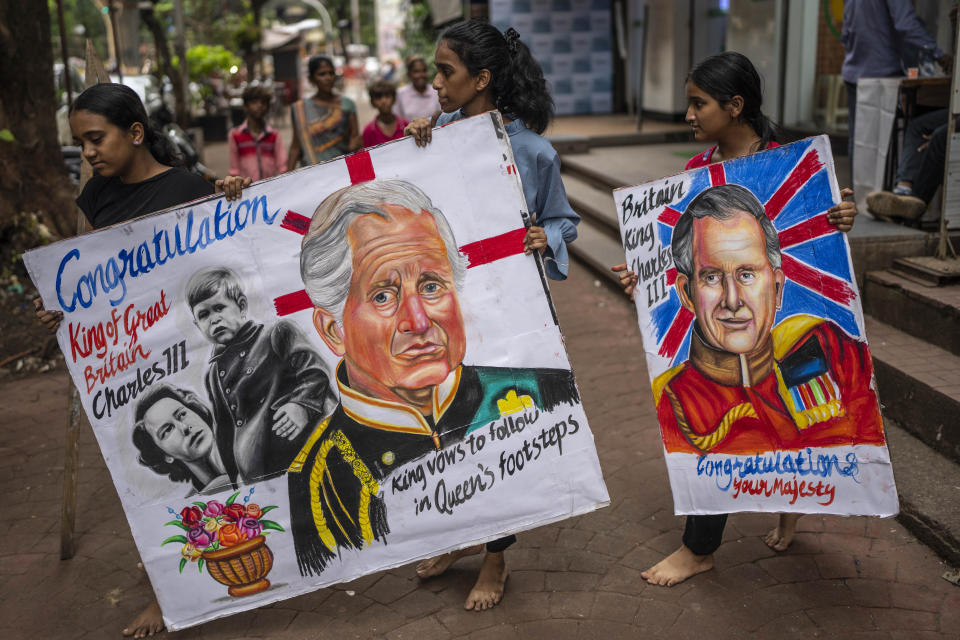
(265, 383)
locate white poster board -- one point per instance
(754, 338)
(453, 417)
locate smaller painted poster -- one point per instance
(754, 338)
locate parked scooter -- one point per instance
(163, 120)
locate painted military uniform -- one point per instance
(807, 386)
(337, 481)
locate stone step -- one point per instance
(595, 248)
(928, 485)
(593, 203)
(919, 386)
(929, 313)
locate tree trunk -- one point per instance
(163, 50)
(32, 174)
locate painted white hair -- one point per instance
(326, 259)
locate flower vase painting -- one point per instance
(229, 539)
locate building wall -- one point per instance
(667, 57)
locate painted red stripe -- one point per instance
(817, 281)
(292, 302)
(677, 332)
(804, 170)
(360, 167)
(477, 253)
(671, 275)
(669, 216)
(717, 174)
(807, 230)
(295, 222)
(490, 249)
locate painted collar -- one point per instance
(395, 416)
(730, 369)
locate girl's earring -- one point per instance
(136, 142)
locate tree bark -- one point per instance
(33, 177)
(162, 45)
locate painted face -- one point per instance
(402, 324)
(383, 103)
(179, 432)
(324, 77)
(219, 318)
(418, 76)
(734, 292)
(108, 148)
(454, 84)
(705, 115)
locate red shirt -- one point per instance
(374, 135)
(703, 159)
(258, 157)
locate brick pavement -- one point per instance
(844, 577)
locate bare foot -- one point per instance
(488, 590)
(149, 622)
(435, 566)
(780, 537)
(677, 567)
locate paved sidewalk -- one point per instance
(843, 578)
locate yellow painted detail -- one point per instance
(788, 333)
(511, 403)
(369, 486)
(301, 458)
(706, 442)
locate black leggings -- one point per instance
(703, 534)
(496, 546)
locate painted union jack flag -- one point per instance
(794, 183)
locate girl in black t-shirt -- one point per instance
(136, 173)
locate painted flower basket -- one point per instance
(229, 539)
(242, 567)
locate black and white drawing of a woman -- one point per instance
(174, 434)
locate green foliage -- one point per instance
(7, 136)
(177, 523)
(419, 35)
(270, 524)
(205, 60)
(78, 13)
(180, 539)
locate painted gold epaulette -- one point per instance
(301, 459)
(789, 331)
(662, 380)
(368, 487)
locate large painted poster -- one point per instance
(754, 338)
(353, 367)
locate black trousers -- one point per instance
(703, 534)
(496, 546)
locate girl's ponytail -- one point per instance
(523, 92)
(729, 74)
(161, 147)
(517, 86)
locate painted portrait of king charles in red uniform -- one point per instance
(751, 384)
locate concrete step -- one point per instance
(928, 485)
(593, 204)
(929, 313)
(595, 248)
(919, 386)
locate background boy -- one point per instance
(256, 150)
(387, 125)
